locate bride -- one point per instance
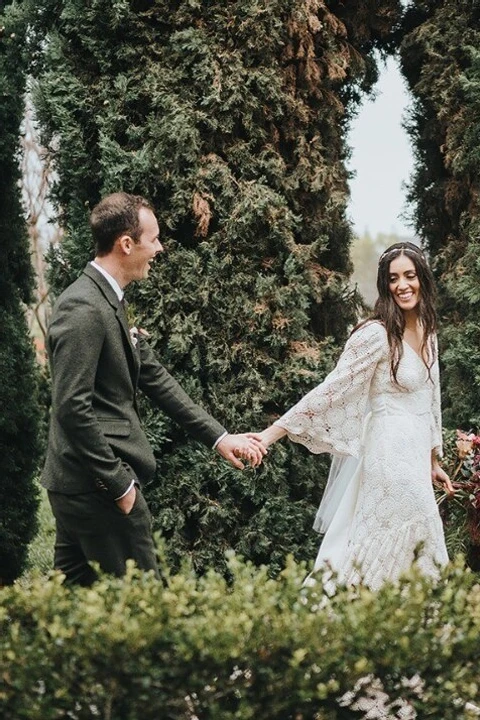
(378, 413)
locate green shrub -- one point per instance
(441, 63)
(257, 647)
(231, 118)
(19, 415)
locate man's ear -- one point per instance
(125, 243)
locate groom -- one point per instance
(98, 456)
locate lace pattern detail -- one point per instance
(330, 417)
(388, 554)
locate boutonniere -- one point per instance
(133, 329)
(135, 332)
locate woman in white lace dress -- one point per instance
(379, 412)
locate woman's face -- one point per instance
(403, 283)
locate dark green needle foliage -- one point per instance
(441, 61)
(230, 117)
(19, 416)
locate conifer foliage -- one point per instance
(441, 61)
(230, 118)
(19, 417)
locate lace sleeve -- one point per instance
(436, 414)
(330, 417)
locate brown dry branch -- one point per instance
(202, 213)
(303, 350)
(259, 308)
(268, 263)
(280, 322)
(36, 182)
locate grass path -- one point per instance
(40, 553)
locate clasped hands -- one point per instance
(244, 446)
(234, 448)
(249, 446)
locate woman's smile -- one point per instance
(404, 283)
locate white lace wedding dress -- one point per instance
(389, 506)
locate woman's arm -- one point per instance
(330, 417)
(267, 437)
(271, 434)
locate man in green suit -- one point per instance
(98, 456)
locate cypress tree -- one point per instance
(230, 118)
(441, 61)
(19, 418)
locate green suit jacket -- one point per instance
(96, 439)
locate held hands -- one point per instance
(247, 446)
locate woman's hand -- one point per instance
(440, 476)
(262, 440)
(270, 435)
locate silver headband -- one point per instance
(400, 250)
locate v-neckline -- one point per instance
(413, 351)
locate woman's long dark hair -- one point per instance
(391, 316)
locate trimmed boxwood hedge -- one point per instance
(251, 647)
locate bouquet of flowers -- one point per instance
(463, 459)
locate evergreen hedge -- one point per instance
(230, 118)
(255, 648)
(19, 417)
(441, 61)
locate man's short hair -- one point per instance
(116, 215)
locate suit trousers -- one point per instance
(90, 527)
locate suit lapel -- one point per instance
(112, 298)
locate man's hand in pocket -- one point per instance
(127, 502)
